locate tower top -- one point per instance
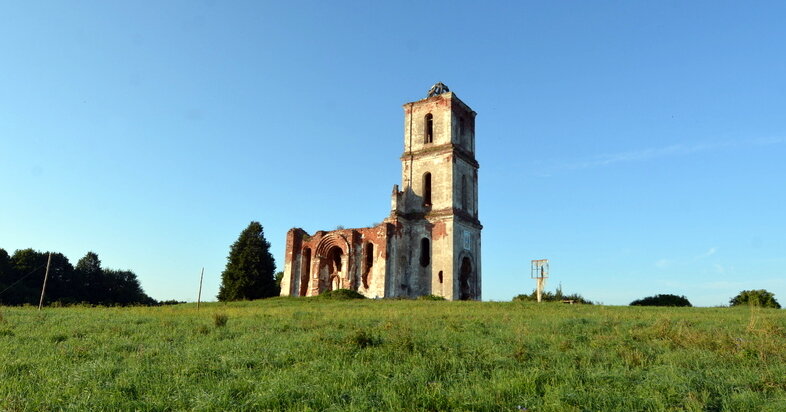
(436, 89)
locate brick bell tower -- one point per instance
(438, 204)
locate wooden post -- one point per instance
(46, 276)
(199, 297)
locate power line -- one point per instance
(21, 279)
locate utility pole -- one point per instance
(46, 276)
(199, 297)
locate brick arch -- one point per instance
(330, 240)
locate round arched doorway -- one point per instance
(465, 279)
(335, 256)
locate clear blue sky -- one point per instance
(640, 146)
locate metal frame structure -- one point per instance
(540, 272)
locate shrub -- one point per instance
(170, 302)
(662, 300)
(556, 296)
(759, 297)
(220, 319)
(363, 339)
(341, 294)
(430, 297)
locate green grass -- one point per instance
(318, 354)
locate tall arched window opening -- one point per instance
(425, 252)
(427, 189)
(369, 255)
(428, 128)
(305, 271)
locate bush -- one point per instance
(341, 294)
(662, 300)
(363, 339)
(220, 319)
(759, 297)
(170, 302)
(556, 296)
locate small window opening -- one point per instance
(369, 255)
(461, 130)
(440, 276)
(425, 252)
(464, 193)
(429, 129)
(427, 189)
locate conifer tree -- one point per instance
(250, 268)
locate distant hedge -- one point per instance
(556, 296)
(341, 294)
(662, 300)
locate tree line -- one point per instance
(22, 275)
(756, 297)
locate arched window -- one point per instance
(425, 252)
(428, 128)
(427, 189)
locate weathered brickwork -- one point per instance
(430, 242)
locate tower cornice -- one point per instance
(448, 148)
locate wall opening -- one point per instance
(369, 255)
(465, 277)
(425, 252)
(305, 272)
(461, 130)
(334, 256)
(427, 189)
(440, 276)
(369, 262)
(464, 193)
(428, 127)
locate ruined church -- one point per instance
(430, 242)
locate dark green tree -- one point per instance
(250, 268)
(759, 297)
(61, 286)
(662, 300)
(7, 276)
(91, 275)
(123, 288)
(27, 277)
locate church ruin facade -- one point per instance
(430, 242)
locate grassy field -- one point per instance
(313, 354)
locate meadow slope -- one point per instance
(314, 354)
